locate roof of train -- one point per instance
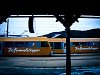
(84, 39)
(50, 39)
(74, 39)
(24, 39)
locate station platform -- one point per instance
(32, 65)
(58, 55)
(33, 62)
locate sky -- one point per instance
(86, 24)
(42, 26)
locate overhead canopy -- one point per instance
(86, 7)
(43, 7)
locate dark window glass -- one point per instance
(44, 44)
(38, 44)
(34, 44)
(95, 43)
(75, 43)
(71, 43)
(83, 44)
(88, 43)
(57, 45)
(31, 44)
(19, 44)
(9, 44)
(98, 44)
(26, 44)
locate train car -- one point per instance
(85, 45)
(77, 45)
(42, 46)
(25, 46)
(58, 45)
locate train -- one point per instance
(43, 46)
(25, 46)
(77, 45)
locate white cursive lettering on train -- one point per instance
(14, 50)
(88, 48)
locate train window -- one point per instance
(71, 43)
(95, 43)
(88, 44)
(30, 44)
(34, 44)
(44, 44)
(83, 44)
(9, 44)
(75, 43)
(19, 44)
(38, 44)
(57, 45)
(26, 44)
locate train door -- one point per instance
(64, 47)
(58, 47)
(45, 48)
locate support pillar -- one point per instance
(68, 20)
(68, 57)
